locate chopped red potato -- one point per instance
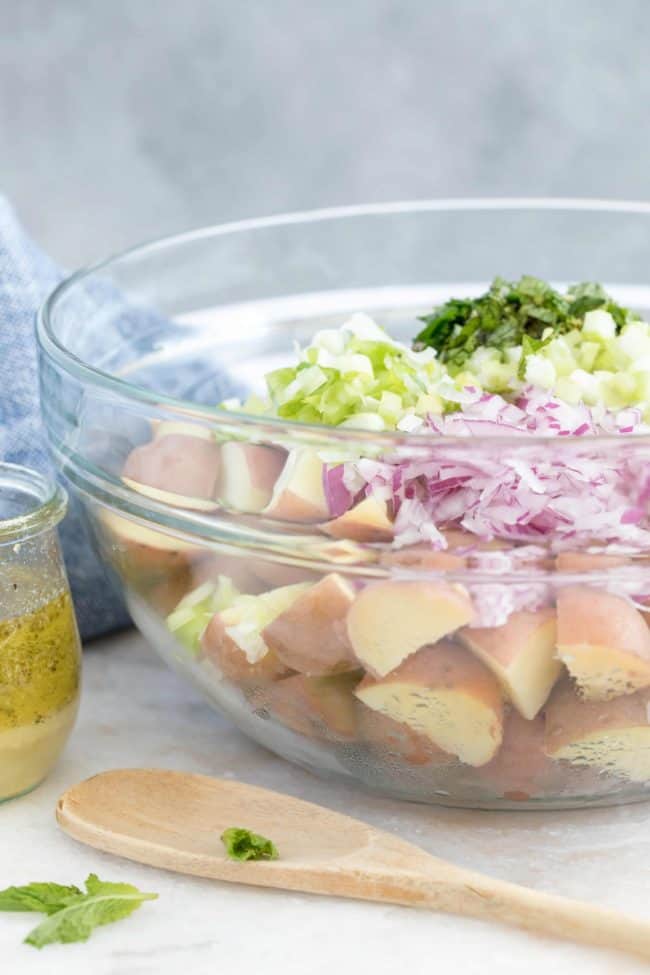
(444, 693)
(233, 662)
(317, 707)
(423, 558)
(603, 641)
(395, 741)
(175, 469)
(233, 639)
(248, 475)
(521, 769)
(521, 655)
(586, 562)
(310, 636)
(390, 620)
(458, 538)
(612, 736)
(368, 521)
(299, 494)
(143, 553)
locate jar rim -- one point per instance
(39, 502)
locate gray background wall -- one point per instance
(124, 119)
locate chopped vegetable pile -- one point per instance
(581, 346)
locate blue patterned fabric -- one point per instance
(26, 277)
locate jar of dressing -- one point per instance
(40, 654)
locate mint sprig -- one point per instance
(45, 898)
(241, 844)
(528, 311)
(72, 914)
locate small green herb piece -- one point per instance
(528, 312)
(72, 914)
(241, 844)
(46, 898)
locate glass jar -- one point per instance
(40, 654)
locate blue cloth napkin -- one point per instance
(26, 277)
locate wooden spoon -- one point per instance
(174, 820)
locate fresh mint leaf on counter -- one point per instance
(46, 898)
(509, 314)
(72, 914)
(241, 844)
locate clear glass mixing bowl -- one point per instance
(428, 676)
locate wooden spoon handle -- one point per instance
(458, 891)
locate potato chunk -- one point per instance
(317, 707)
(233, 638)
(299, 494)
(311, 635)
(604, 642)
(248, 475)
(368, 521)
(423, 558)
(395, 741)
(445, 694)
(521, 655)
(176, 469)
(389, 621)
(521, 769)
(612, 736)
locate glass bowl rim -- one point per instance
(50, 507)
(266, 427)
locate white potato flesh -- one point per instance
(310, 636)
(175, 469)
(248, 475)
(611, 736)
(522, 656)
(299, 494)
(368, 521)
(445, 694)
(603, 641)
(390, 620)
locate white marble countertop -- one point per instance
(137, 712)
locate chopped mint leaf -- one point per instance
(241, 844)
(46, 898)
(81, 913)
(510, 312)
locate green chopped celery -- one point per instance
(195, 610)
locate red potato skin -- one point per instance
(140, 564)
(376, 597)
(584, 562)
(264, 465)
(503, 643)
(569, 717)
(315, 707)
(459, 538)
(291, 507)
(181, 465)
(311, 635)
(521, 768)
(367, 522)
(288, 505)
(446, 664)
(422, 558)
(218, 647)
(393, 739)
(590, 616)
